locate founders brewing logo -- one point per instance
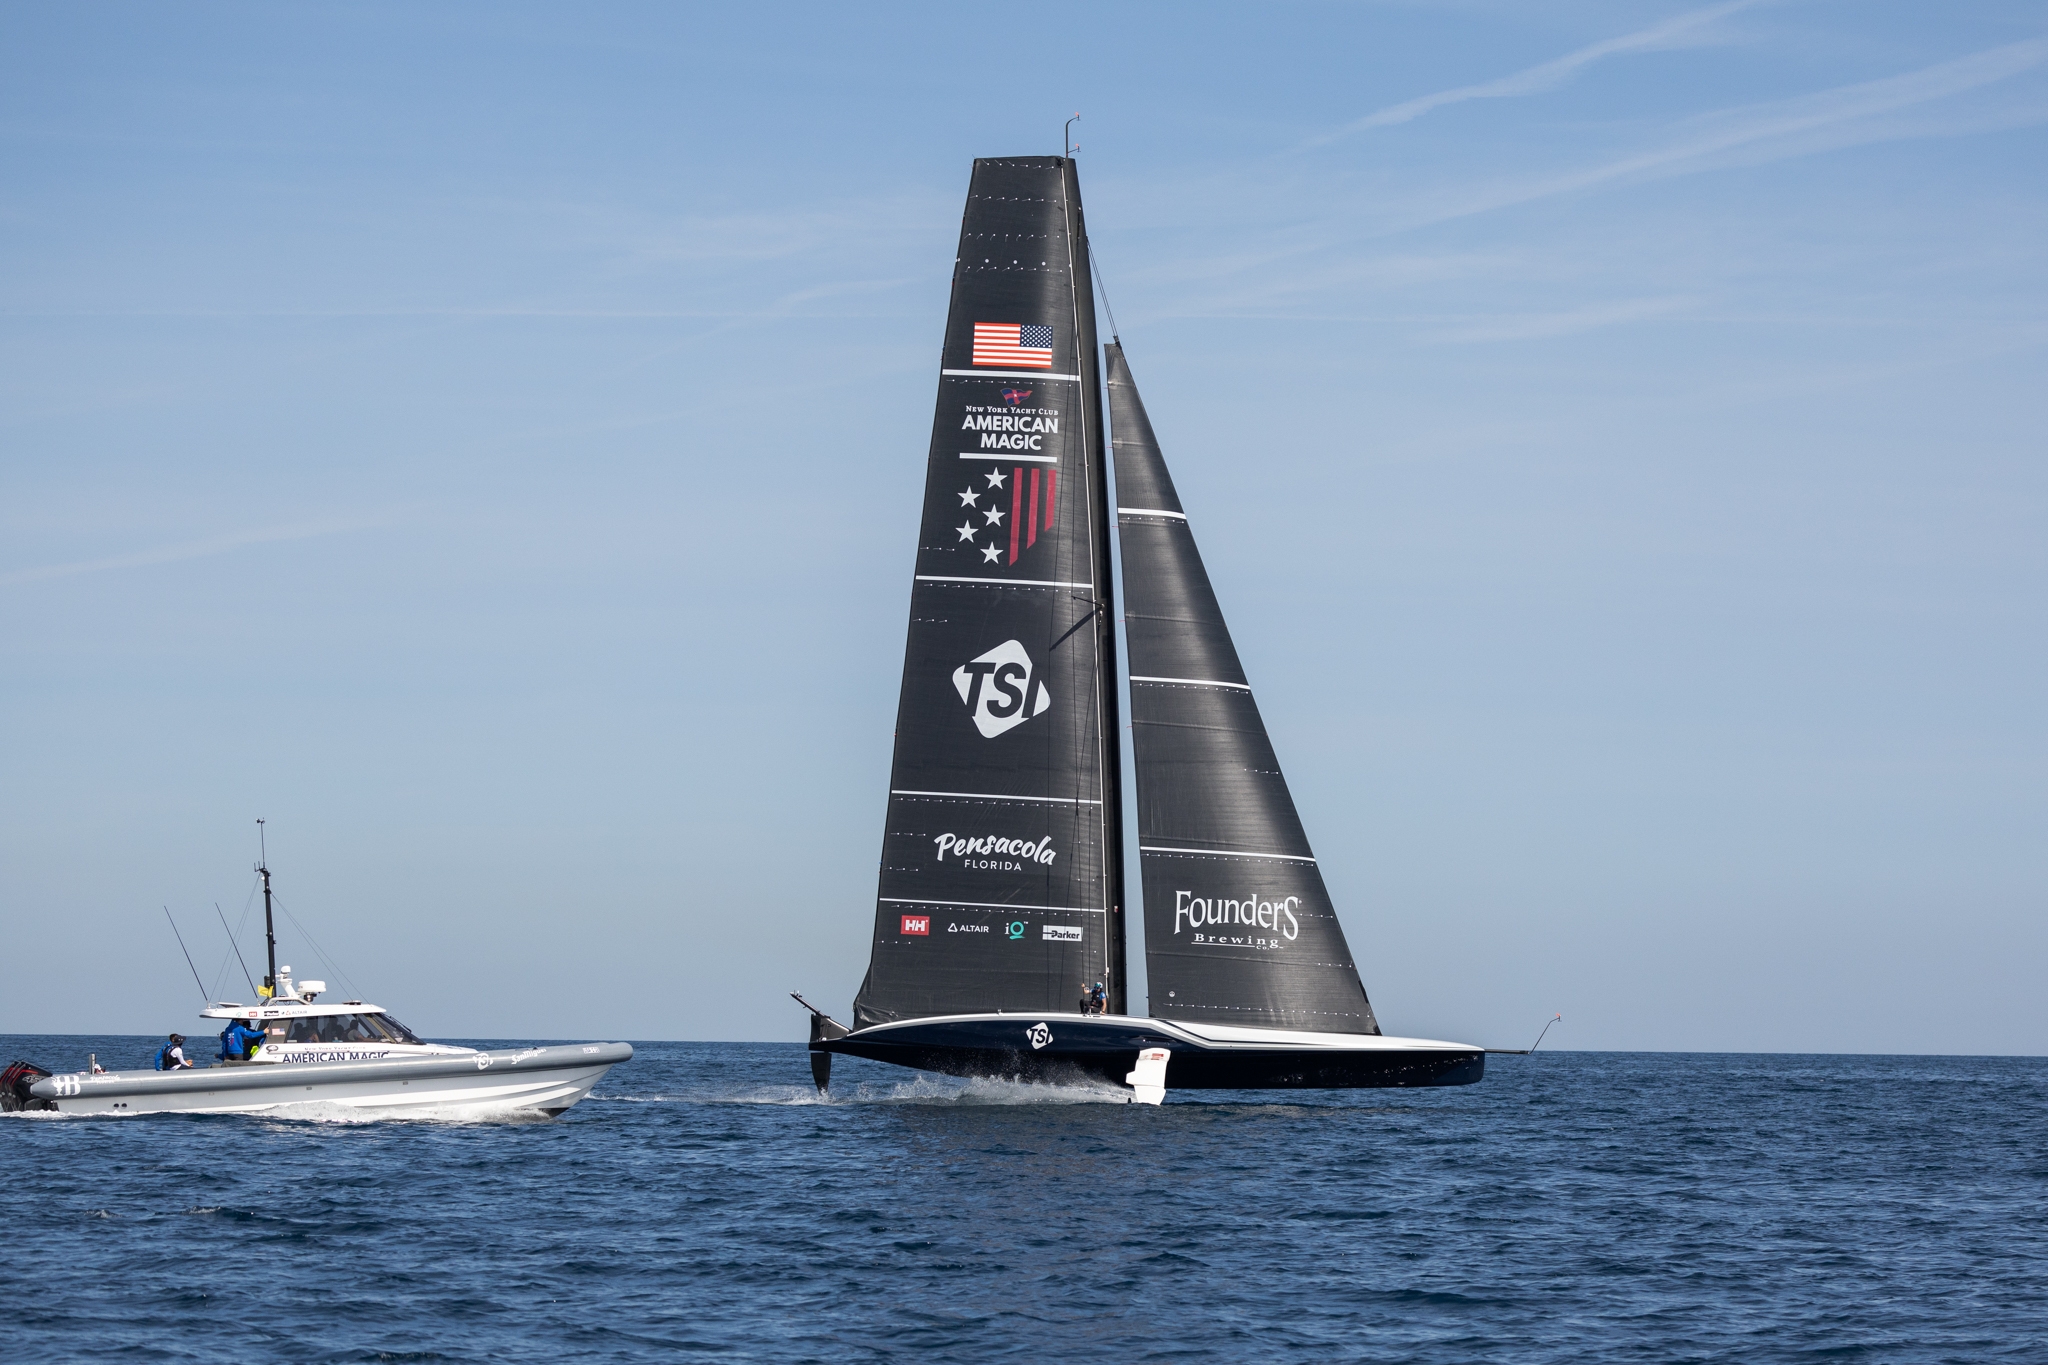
(998, 690)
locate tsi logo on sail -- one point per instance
(996, 688)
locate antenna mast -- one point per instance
(1067, 137)
(269, 925)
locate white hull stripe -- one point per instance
(1002, 582)
(1005, 456)
(1195, 682)
(997, 905)
(1145, 511)
(991, 796)
(1005, 374)
(1225, 853)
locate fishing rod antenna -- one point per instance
(232, 944)
(1067, 137)
(1554, 1019)
(188, 952)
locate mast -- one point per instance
(1081, 287)
(269, 924)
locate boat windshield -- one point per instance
(350, 1028)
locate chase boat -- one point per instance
(349, 1053)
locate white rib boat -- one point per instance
(348, 1053)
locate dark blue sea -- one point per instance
(703, 1204)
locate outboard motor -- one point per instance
(15, 1082)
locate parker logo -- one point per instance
(997, 686)
(1061, 933)
(917, 924)
(1039, 1035)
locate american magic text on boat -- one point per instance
(999, 942)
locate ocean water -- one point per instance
(704, 1204)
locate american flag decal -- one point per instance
(1019, 345)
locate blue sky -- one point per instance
(486, 441)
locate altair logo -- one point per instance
(996, 687)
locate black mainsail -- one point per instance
(1001, 895)
(1239, 929)
(1002, 862)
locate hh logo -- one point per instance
(997, 686)
(917, 924)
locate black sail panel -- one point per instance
(1239, 929)
(1002, 862)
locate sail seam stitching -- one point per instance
(1144, 511)
(1225, 853)
(996, 796)
(1001, 582)
(1006, 374)
(1196, 682)
(990, 905)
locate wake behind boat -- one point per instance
(999, 923)
(291, 1048)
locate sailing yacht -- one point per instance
(999, 941)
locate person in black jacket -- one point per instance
(171, 1056)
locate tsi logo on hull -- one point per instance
(998, 691)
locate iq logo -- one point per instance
(998, 690)
(917, 924)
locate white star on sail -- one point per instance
(967, 498)
(990, 553)
(996, 477)
(994, 515)
(966, 529)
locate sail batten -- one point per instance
(1001, 885)
(1239, 928)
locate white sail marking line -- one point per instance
(990, 905)
(1144, 511)
(1004, 582)
(1006, 374)
(992, 796)
(1196, 682)
(1000, 456)
(1225, 853)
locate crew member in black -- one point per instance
(171, 1056)
(1095, 1002)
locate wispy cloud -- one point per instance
(1571, 322)
(1676, 32)
(193, 549)
(1843, 116)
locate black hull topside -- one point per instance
(1079, 1047)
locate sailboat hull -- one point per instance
(1074, 1047)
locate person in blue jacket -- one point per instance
(239, 1041)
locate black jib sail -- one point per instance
(1002, 860)
(1238, 926)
